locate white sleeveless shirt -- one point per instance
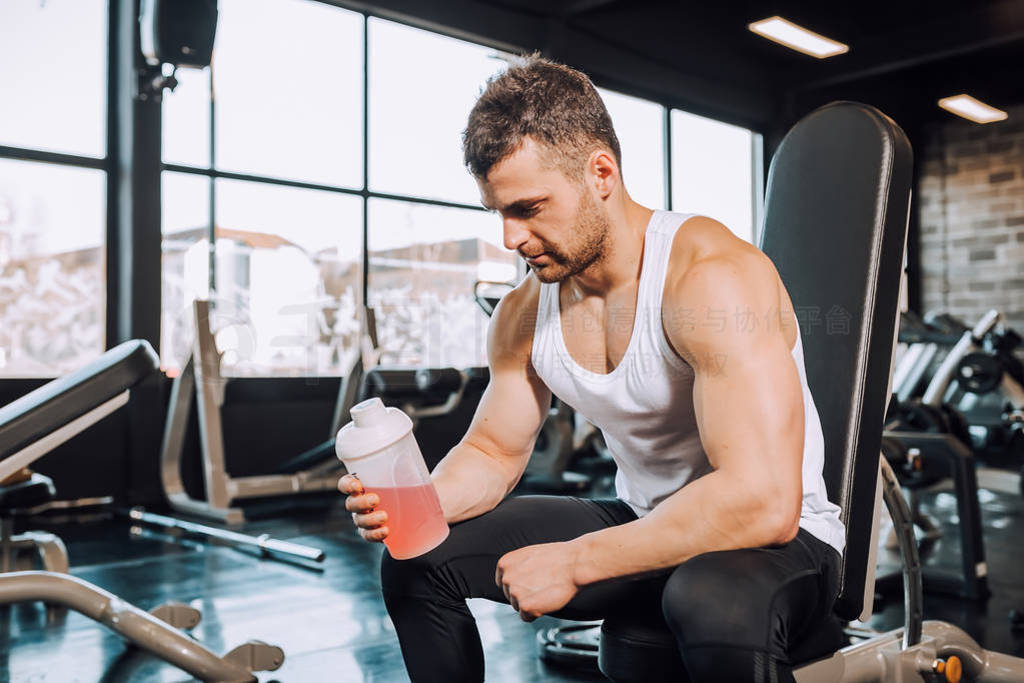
(644, 407)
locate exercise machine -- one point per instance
(317, 470)
(33, 426)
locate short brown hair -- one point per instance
(554, 104)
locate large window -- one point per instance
(53, 59)
(264, 159)
(273, 143)
(713, 171)
(639, 125)
(424, 261)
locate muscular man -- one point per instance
(675, 338)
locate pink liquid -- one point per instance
(415, 521)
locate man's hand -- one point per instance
(538, 579)
(370, 521)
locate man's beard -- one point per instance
(589, 236)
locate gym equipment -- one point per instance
(487, 294)
(845, 166)
(267, 546)
(941, 439)
(315, 470)
(34, 425)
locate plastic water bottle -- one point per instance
(379, 448)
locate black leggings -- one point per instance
(734, 613)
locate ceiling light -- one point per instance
(970, 108)
(797, 38)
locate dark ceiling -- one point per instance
(904, 55)
(699, 56)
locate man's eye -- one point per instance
(530, 212)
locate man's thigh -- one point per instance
(763, 599)
(463, 566)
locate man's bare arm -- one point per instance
(749, 408)
(489, 460)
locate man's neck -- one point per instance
(623, 254)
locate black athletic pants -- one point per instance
(734, 613)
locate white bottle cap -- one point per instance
(373, 427)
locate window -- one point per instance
(53, 92)
(54, 66)
(287, 82)
(186, 119)
(285, 273)
(639, 126)
(713, 171)
(424, 261)
(271, 138)
(52, 256)
(185, 261)
(422, 87)
(288, 278)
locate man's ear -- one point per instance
(603, 172)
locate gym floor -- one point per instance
(332, 624)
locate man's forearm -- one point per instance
(469, 482)
(707, 515)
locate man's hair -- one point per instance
(555, 105)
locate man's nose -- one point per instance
(514, 233)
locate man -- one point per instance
(677, 340)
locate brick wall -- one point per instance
(971, 202)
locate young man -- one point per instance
(677, 340)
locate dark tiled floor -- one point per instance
(332, 624)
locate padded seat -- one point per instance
(639, 646)
(67, 398)
(35, 490)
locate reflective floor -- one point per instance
(332, 624)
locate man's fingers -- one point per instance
(362, 504)
(378, 534)
(371, 520)
(350, 484)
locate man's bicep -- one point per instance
(516, 402)
(750, 415)
(747, 391)
(510, 414)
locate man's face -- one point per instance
(558, 225)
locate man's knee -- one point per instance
(425, 576)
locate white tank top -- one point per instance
(644, 407)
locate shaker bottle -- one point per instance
(378, 447)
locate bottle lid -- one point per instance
(373, 427)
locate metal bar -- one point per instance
(666, 134)
(211, 256)
(209, 397)
(128, 621)
(264, 542)
(366, 163)
(110, 262)
(902, 522)
(231, 175)
(26, 154)
(41, 447)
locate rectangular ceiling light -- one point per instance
(797, 38)
(970, 108)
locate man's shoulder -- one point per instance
(516, 314)
(704, 249)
